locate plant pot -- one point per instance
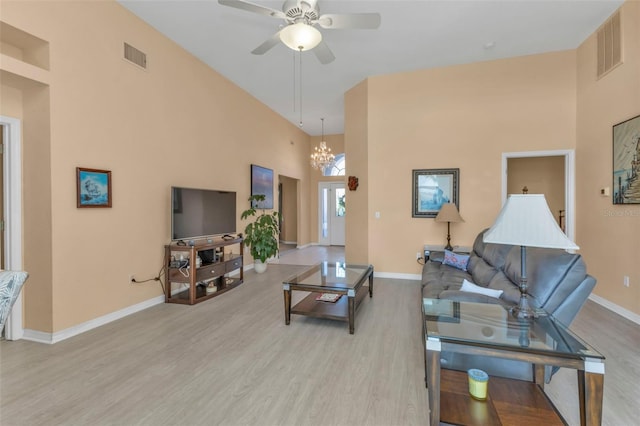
(258, 266)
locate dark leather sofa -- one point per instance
(558, 283)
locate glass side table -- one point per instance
(488, 330)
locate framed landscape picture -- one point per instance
(262, 184)
(626, 162)
(93, 187)
(432, 188)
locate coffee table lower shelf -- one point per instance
(339, 310)
(509, 402)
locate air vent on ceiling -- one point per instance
(609, 45)
(135, 56)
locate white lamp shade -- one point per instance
(525, 220)
(300, 36)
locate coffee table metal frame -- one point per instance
(324, 278)
(588, 363)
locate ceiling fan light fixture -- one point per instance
(300, 36)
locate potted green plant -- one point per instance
(261, 235)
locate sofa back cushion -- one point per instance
(552, 274)
(486, 260)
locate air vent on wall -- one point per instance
(609, 45)
(135, 56)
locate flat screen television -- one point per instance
(197, 213)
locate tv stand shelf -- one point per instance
(190, 284)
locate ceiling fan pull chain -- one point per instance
(294, 81)
(300, 91)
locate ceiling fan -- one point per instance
(301, 17)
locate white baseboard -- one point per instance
(50, 338)
(631, 316)
(397, 275)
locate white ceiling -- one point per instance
(413, 35)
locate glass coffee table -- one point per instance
(336, 291)
(483, 329)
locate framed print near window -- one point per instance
(93, 187)
(262, 184)
(626, 162)
(432, 188)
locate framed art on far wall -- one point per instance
(262, 184)
(93, 187)
(432, 188)
(626, 162)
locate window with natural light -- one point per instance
(337, 168)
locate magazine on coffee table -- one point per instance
(328, 297)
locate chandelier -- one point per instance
(322, 157)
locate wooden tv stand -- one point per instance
(189, 284)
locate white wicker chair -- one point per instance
(10, 284)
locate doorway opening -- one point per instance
(12, 215)
(288, 208)
(551, 173)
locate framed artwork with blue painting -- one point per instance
(626, 162)
(262, 184)
(432, 188)
(93, 187)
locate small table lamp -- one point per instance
(449, 213)
(526, 221)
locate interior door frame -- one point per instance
(569, 181)
(12, 192)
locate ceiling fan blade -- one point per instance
(252, 7)
(267, 45)
(365, 21)
(323, 53)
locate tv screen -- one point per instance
(201, 213)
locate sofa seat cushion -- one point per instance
(437, 278)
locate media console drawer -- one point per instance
(234, 264)
(209, 271)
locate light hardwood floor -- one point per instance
(232, 361)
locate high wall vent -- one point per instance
(609, 45)
(135, 56)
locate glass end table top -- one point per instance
(331, 275)
(492, 325)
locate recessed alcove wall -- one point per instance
(23, 46)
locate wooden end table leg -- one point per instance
(352, 312)
(433, 380)
(371, 284)
(590, 392)
(538, 375)
(287, 305)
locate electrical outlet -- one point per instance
(625, 281)
(417, 255)
(131, 279)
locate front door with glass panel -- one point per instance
(331, 213)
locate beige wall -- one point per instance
(356, 134)
(177, 123)
(455, 117)
(541, 175)
(608, 235)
